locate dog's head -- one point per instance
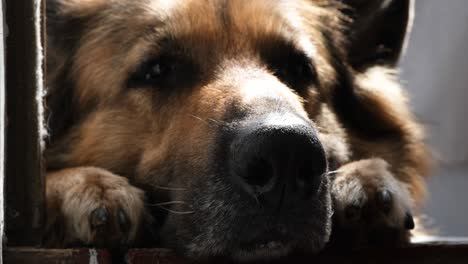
(232, 110)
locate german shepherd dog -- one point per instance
(240, 128)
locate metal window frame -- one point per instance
(24, 175)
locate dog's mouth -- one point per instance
(270, 250)
(267, 238)
(268, 245)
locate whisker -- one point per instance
(167, 188)
(202, 120)
(334, 172)
(209, 121)
(167, 203)
(256, 198)
(175, 212)
(216, 122)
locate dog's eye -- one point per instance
(294, 69)
(159, 72)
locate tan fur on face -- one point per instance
(102, 64)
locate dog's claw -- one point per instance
(384, 200)
(124, 222)
(409, 221)
(99, 217)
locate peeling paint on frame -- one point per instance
(93, 256)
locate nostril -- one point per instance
(259, 172)
(309, 176)
(304, 175)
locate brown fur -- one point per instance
(100, 128)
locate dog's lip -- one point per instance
(266, 240)
(263, 248)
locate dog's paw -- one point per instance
(96, 207)
(371, 207)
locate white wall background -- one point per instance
(435, 71)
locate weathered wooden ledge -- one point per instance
(449, 251)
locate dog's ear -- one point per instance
(369, 99)
(378, 31)
(66, 21)
(75, 8)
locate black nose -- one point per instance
(271, 159)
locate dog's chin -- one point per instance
(263, 251)
(269, 246)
